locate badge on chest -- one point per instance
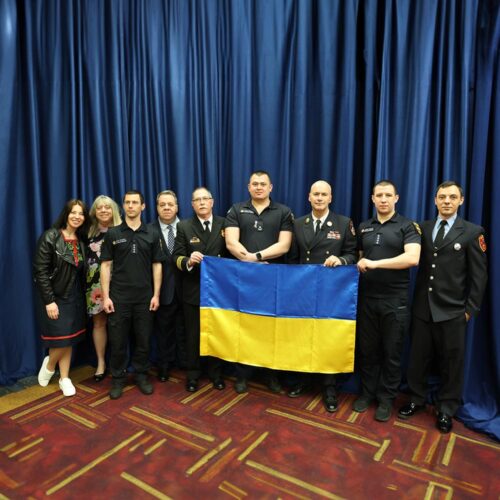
(333, 235)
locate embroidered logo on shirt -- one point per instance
(482, 243)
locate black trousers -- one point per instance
(381, 327)
(193, 358)
(444, 341)
(328, 381)
(126, 318)
(165, 332)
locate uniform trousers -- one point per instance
(444, 342)
(381, 328)
(193, 358)
(127, 317)
(165, 329)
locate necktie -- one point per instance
(440, 234)
(170, 238)
(207, 226)
(318, 226)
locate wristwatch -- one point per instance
(258, 255)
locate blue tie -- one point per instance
(170, 238)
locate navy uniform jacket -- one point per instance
(452, 278)
(336, 237)
(191, 237)
(168, 284)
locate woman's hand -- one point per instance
(52, 310)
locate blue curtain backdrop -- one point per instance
(101, 96)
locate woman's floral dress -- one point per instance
(94, 292)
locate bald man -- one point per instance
(322, 237)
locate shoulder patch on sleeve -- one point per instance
(482, 243)
(417, 228)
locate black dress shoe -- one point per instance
(331, 403)
(144, 385)
(296, 391)
(219, 384)
(163, 374)
(192, 385)
(241, 386)
(99, 377)
(117, 386)
(409, 410)
(444, 423)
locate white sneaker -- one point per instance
(67, 387)
(45, 375)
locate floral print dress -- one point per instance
(94, 292)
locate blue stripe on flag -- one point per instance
(295, 291)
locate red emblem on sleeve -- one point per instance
(482, 243)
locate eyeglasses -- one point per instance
(201, 198)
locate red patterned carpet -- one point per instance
(213, 444)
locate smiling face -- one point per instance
(447, 201)
(260, 187)
(167, 208)
(320, 197)
(104, 214)
(76, 218)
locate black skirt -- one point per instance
(70, 327)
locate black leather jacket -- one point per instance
(54, 266)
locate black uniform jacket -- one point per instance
(170, 273)
(337, 237)
(190, 238)
(54, 266)
(452, 278)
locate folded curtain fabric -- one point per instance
(287, 317)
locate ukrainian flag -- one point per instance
(288, 317)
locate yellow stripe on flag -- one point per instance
(296, 344)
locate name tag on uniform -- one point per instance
(245, 211)
(117, 242)
(367, 230)
(333, 235)
(194, 239)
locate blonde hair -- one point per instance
(94, 223)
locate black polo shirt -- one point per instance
(132, 253)
(383, 241)
(259, 231)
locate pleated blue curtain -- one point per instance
(102, 96)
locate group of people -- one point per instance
(137, 274)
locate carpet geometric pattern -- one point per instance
(219, 444)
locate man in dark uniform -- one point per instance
(389, 245)
(133, 249)
(169, 315)
(201, 235)
(322, 237)
(258, 230)
(450, 284)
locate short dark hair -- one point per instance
(134, 191)
(62, 220)
(385, 182)
(260, 172)
(447, 184)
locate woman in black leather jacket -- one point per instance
(59, 273)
